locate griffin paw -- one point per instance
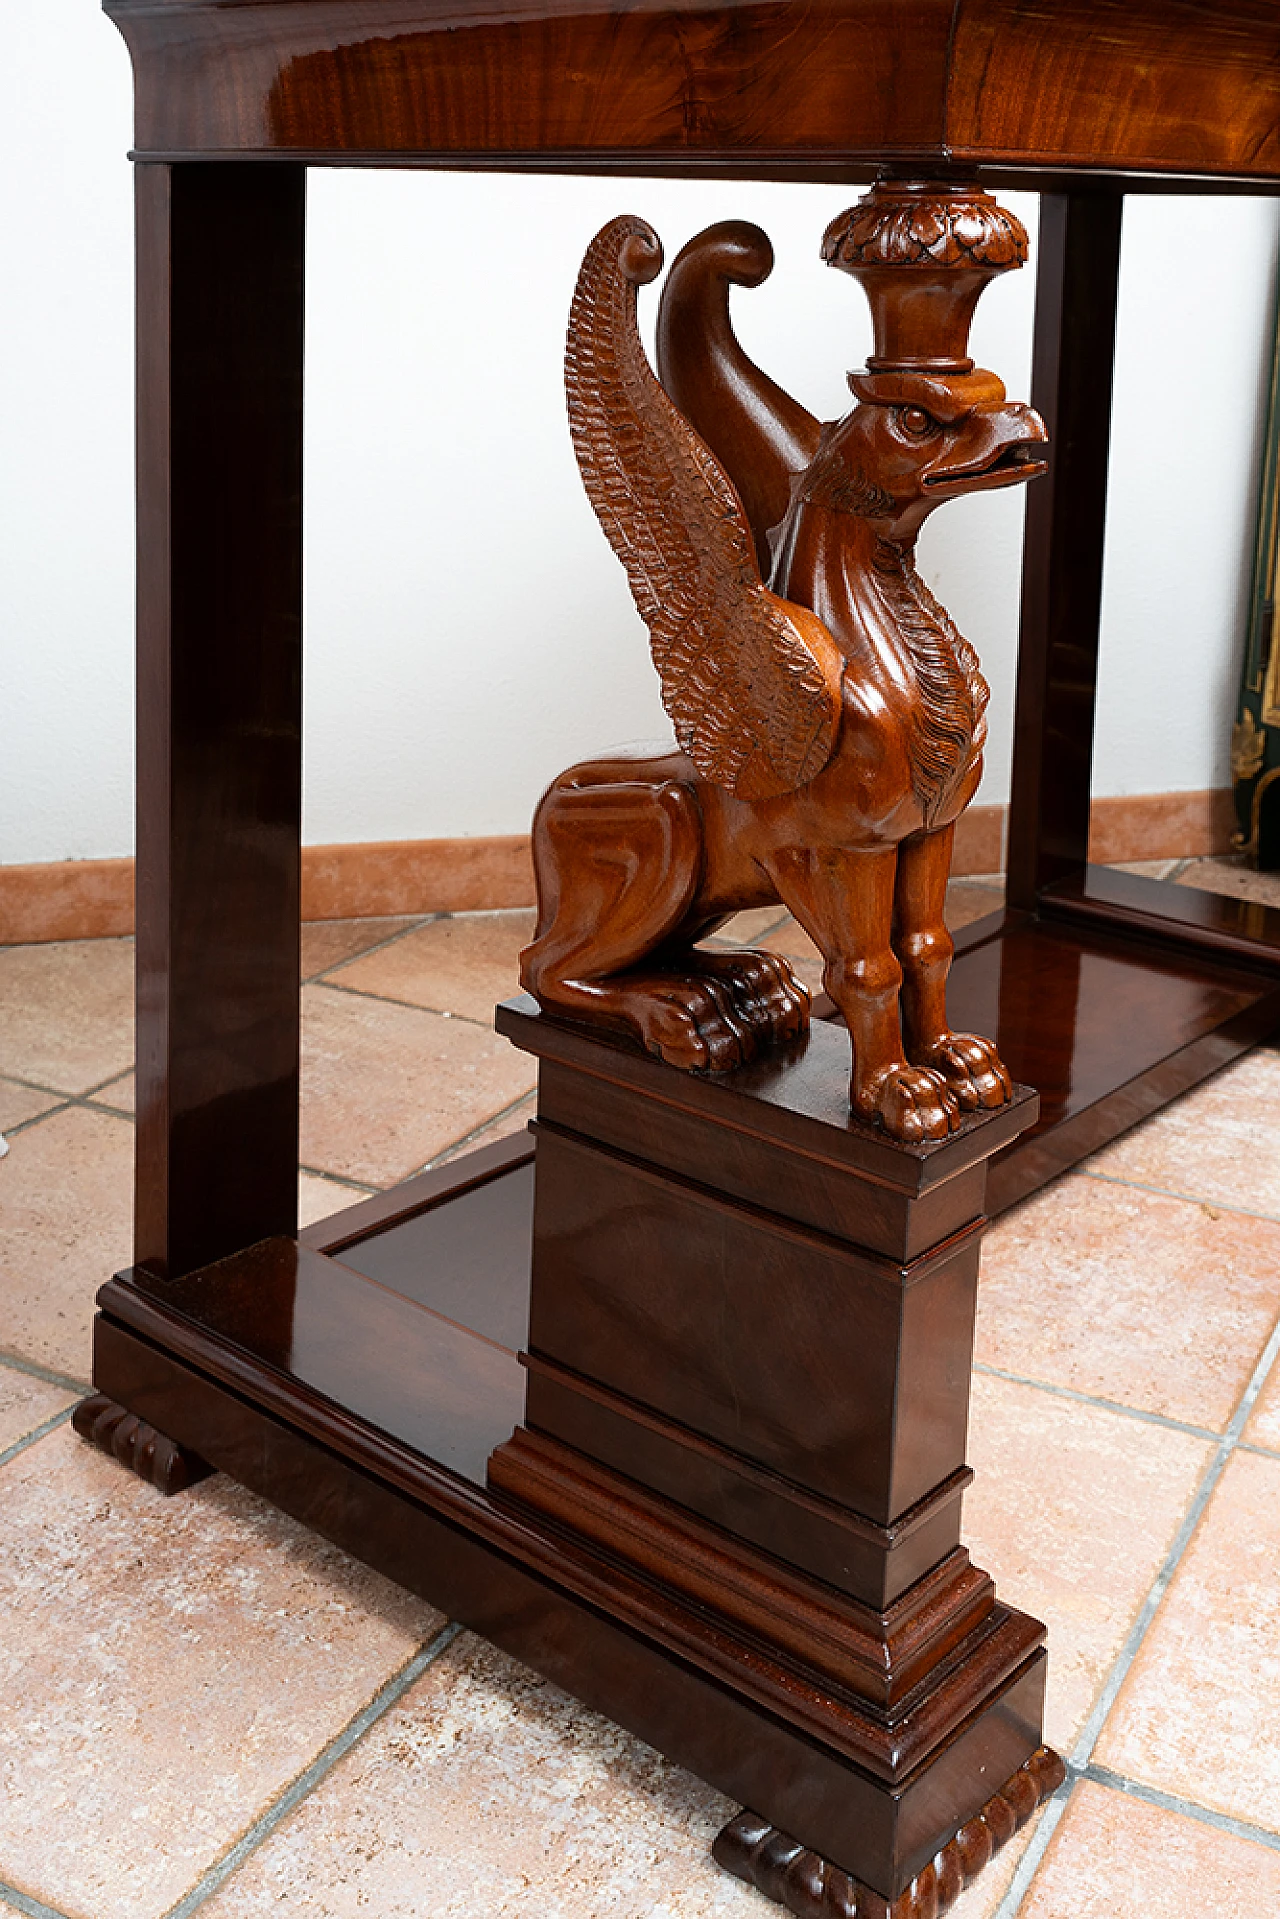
(695, 1024)
(971, 1067)
(766, 993)
(912, 1103)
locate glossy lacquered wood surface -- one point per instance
(220, 277)
(817, 86)
(1111, 1008)
(1078, 275)
(541, 1601)
(903, 1671)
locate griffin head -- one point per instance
(917, 438)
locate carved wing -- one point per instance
(760, 435)
(751, 682)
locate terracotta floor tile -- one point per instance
(1219, 1143)
(1264, 1422)
(969, 900)
(1232, 877)
(66, 1012)
(514, 1121)
(463, 964)
(66, 1197)
(318, 1198)
(1114, 1857)
(21, 1103)
(118, 1094)
(327, 943)
(1199, 1711)
(488, 1791)
(1072, 1512)
(385, 1088)
(792, 940)
(748, 929)
(26, 1403)
(193, 1656)
(1157, 1303)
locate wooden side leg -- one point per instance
(1071, 378)
(220, 318)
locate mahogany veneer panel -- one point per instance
(1174, 86)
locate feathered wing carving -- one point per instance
(751, 682)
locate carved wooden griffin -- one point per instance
(830, 722)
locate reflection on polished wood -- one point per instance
(695, 1571)
(749, 1332)
(804, 86)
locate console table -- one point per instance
(278, 1356)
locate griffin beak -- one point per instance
(999, 447)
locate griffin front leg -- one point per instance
(844, 901)
(970, 1064)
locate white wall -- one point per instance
(468, 630)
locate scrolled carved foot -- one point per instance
(811, 1888)
(912, 1103)
(971, 1067)
(168, 1467)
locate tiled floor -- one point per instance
(206, 1708)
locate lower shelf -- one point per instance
(1111, 1007)
(359, 1378)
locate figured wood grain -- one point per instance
(808, 87)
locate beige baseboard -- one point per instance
(93, 899)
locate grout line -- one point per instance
(390, 999)
(450, 1150)
(37, 1433)
(1258, 1450)
(1106, 1405)
(18, 1364)
(340, 1179)
(1163, 1192)
(401, 932)
(1028, 1865)
(293, 1794)
(24, 1902)
(1213, 1472)
(1172, 1802)
(1080, 1762)
(65, 1102)
(50, 1112)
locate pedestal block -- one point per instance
(749, 1354)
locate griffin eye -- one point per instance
(916, 423)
